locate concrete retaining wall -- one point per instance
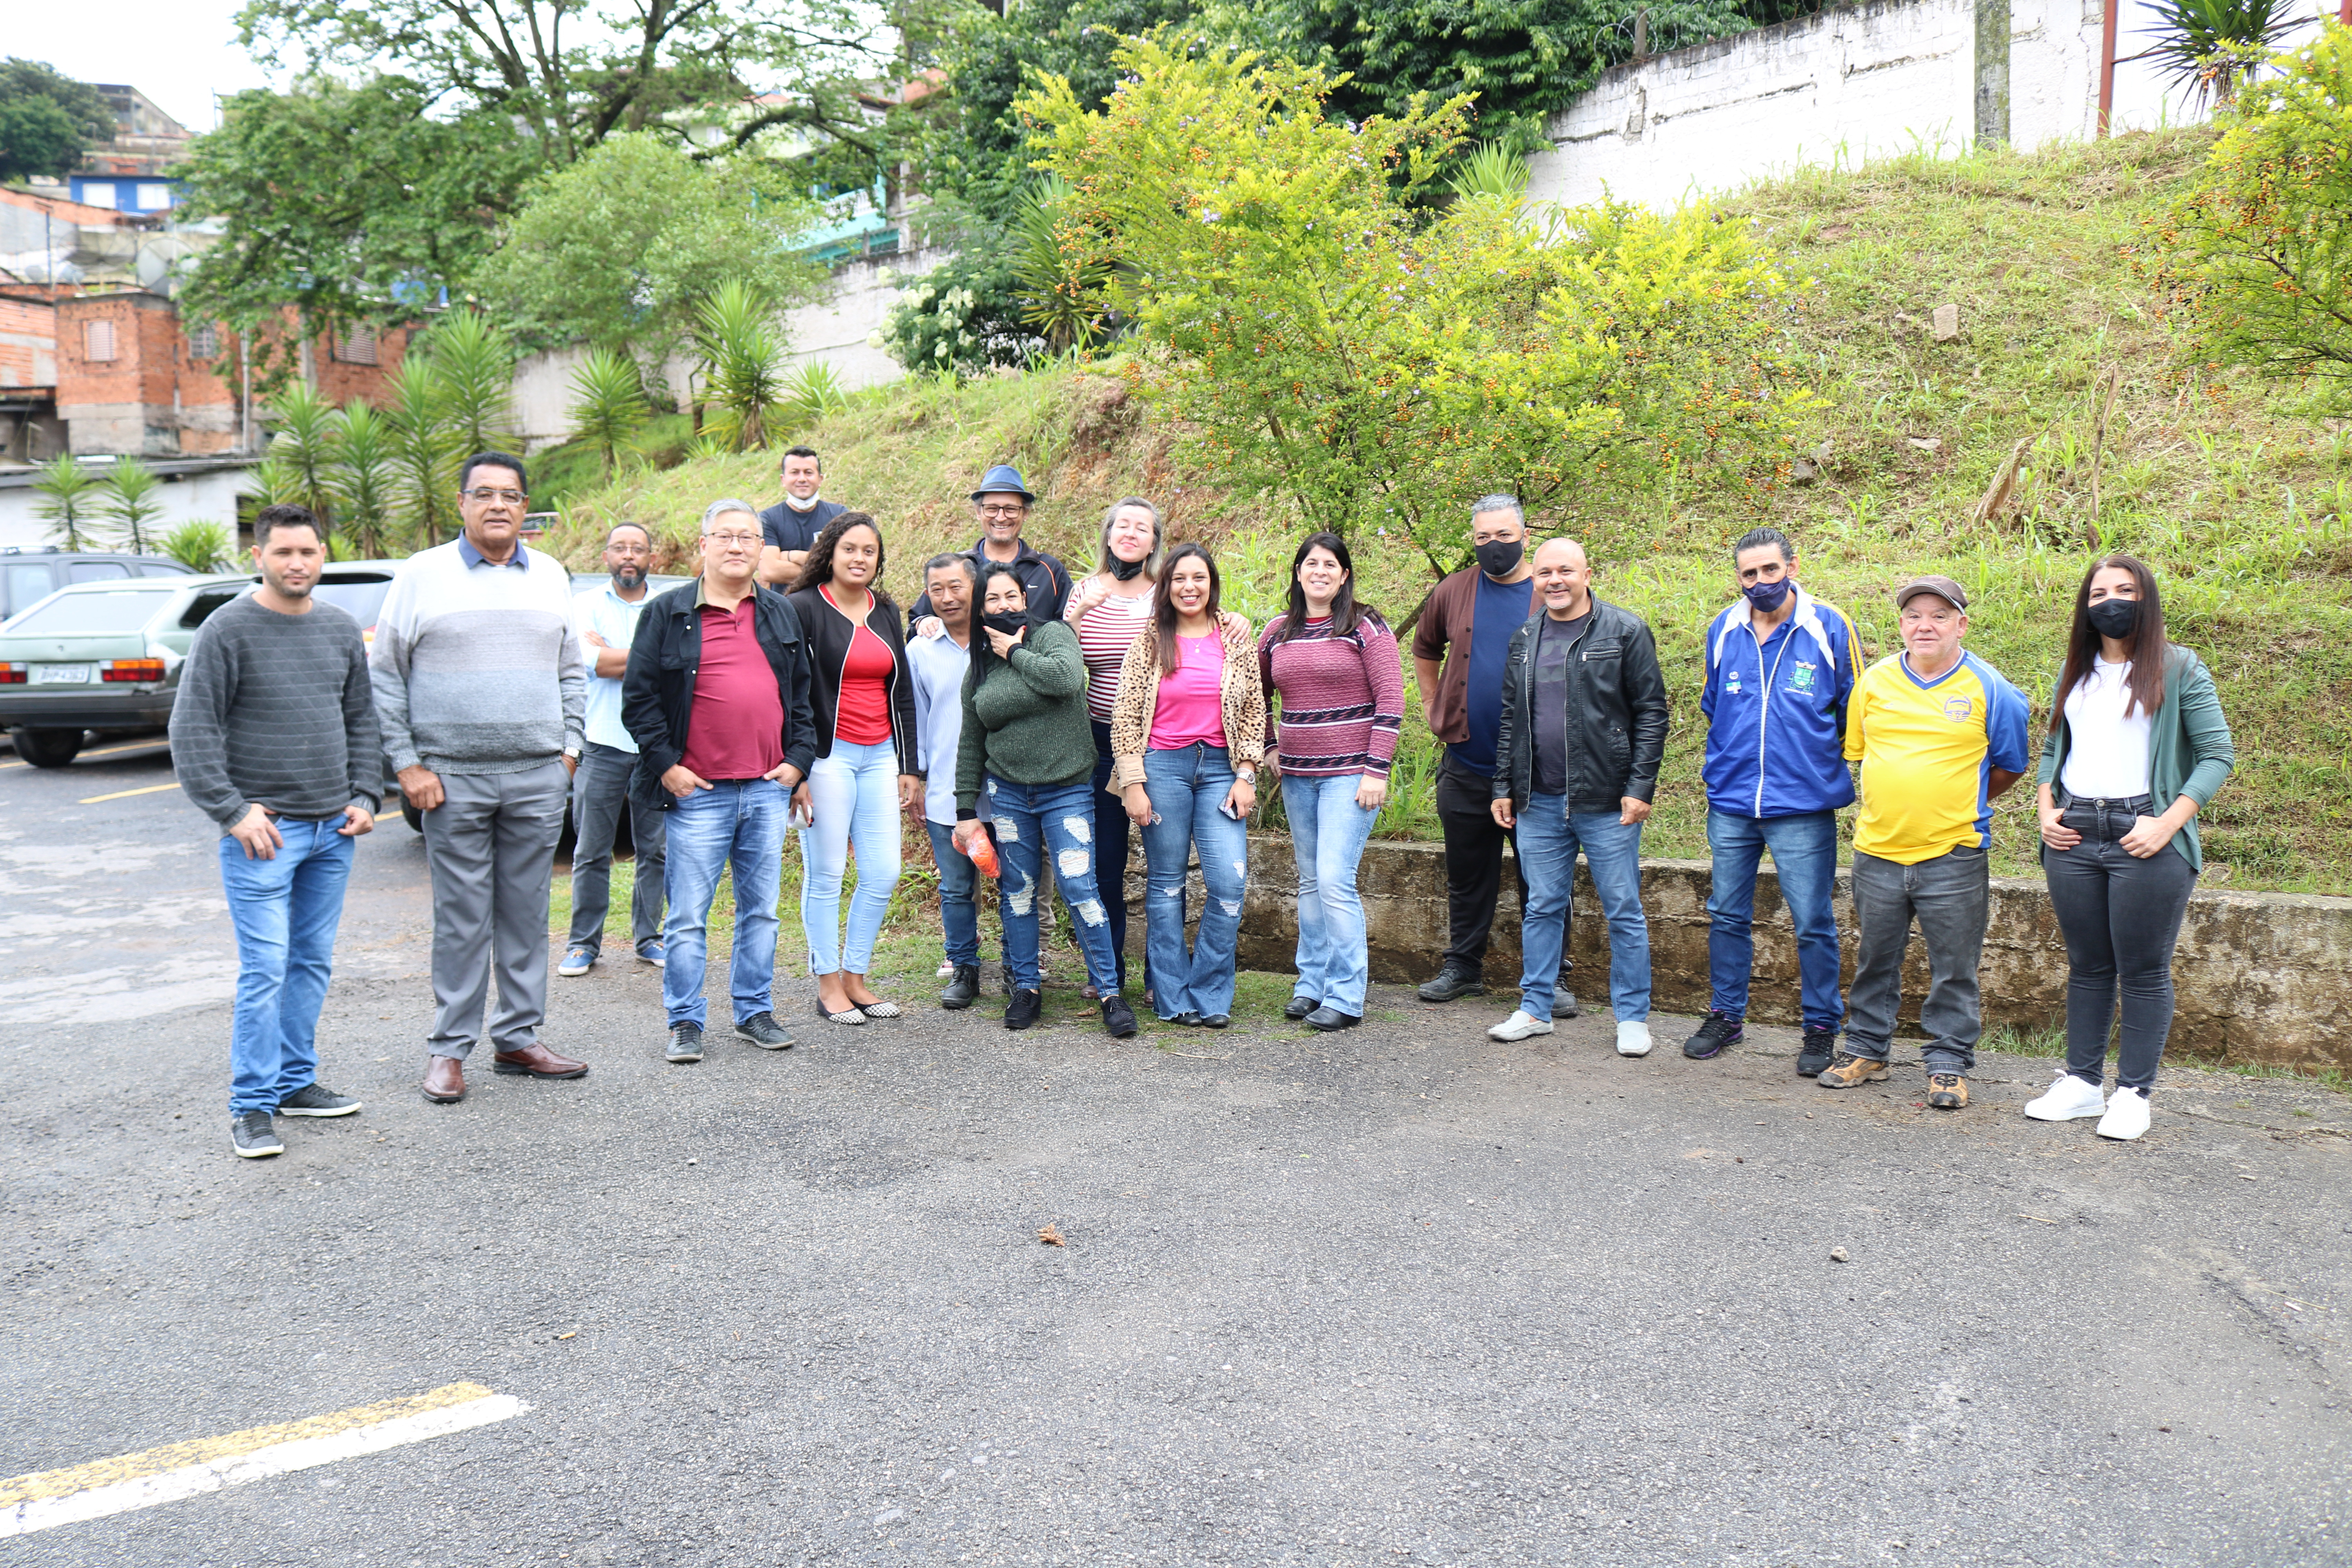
(2261, 977)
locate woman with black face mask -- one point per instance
(2135, 722)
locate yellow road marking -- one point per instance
(127, 794)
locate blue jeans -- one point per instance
(286, 910)
(855, 795)
(1187, 784)
(739, 822)
(1549, 836)
(1029, 821)
(958, 881)
(1804, 853)
(1328, 830)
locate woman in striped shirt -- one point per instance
(1109, 610)
(1333, 662)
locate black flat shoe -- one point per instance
(1300, 1006)
(1332, 1018)
(1186, 1020)
(1216, 1020)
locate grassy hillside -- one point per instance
(2244, 508)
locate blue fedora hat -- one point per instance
(1001, 479)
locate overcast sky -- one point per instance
(178, 52)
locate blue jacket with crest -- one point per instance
(1776, 711)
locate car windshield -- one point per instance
(360, 598)
(81, 614)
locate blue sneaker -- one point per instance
(650, 951)
(578, 959)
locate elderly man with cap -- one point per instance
(1939, 734)
(1001, 503)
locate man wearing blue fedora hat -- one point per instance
(1003, 504)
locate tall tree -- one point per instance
(47, 120)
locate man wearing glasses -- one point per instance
(481, 695)
(606, 620)
(1003, 504)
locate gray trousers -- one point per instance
(491, 845)
(1948, 896)
(600, 791)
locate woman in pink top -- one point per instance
(1186, 730)
(1108, 611)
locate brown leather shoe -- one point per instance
(444, 1080)
(537, 1061)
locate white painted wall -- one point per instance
(208, 497)
(1836, 89)
(835, 329)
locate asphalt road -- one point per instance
(1400, 1296)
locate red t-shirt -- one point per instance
(862, 717)
(737, 729)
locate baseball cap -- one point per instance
(1943, 587)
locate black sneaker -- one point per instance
(962, 990)
(1119, 1019)
(763, 1030)
(684, 1043)
(1023, 1013)
(1452, 981)
(1300, 1006)
(1719, 1031)
(251, 1137)
(1564, 1004)
(1821, 1045)
(311, 1099)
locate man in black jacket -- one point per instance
(716, 697)
(1583, 733)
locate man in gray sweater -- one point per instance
(274, 737)
(482, 694)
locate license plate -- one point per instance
(61, 675)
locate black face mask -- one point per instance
(1009, 623)
(1500, 558)
(2115, 618)
(1125, 571)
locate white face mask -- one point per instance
(797, 504)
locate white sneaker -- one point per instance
(1519, 1026)
(2068, 1098)
(2126, 1116)
(1632, 1037)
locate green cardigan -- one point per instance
(1027, 722)
(2190, 752)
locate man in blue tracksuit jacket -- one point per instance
(1779, 666)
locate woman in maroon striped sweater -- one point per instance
(1333, 664)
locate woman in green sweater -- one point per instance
(1028, 743)
(2137, 745)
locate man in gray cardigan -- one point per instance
(274, 738)
(479, 684)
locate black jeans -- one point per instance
(1110, 852)
(2121, 916)
(600, 792)
(1474, 869)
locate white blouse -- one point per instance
(2106, 753)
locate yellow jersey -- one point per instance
(1927, 749)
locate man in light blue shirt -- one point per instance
(606, 618)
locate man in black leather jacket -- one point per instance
(1583, 734)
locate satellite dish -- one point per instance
(165, 263)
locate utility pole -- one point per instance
(2107, 62)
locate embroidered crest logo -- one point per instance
(1801, 678)
(1958, 709)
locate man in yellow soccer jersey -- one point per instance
(1939, 733)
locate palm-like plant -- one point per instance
(475, 362)
(812, 392)
(608, 403)
(1493, 171)
(200, 546)
(2211, 48)
(1061, 266)
(745, 377)
(423, 450)
(366, 478)
(132, 502)
(68, 500)
(304, 447)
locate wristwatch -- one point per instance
(571, 754)
(1247, 771)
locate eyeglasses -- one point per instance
(512, 498)
(745, 539)
(1002, 513)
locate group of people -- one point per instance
(1031, 719)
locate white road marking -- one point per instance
(47, 1498)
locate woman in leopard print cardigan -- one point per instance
(1185, 735)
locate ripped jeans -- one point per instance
(1030, 821)
(1187, 785)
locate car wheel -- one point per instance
(48, 748)
(414, 818)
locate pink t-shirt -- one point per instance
(1191, 698)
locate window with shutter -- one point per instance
(205, 343)
(97, 341)
(356, 345)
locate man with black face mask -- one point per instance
(1459, 649)
(1780, 667)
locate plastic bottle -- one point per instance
(983, 853)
